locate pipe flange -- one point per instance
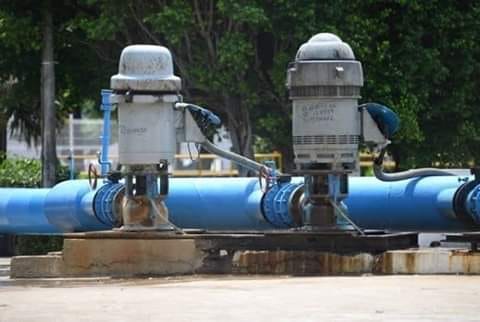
(276, 205)
(460, 202)
(104, 204)
(474, 204)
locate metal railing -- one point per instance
(202, 165)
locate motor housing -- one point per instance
(324, 84)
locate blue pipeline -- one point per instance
(216, 203)
(67, 207)
(22, 211)
(419, 204)
(229, 204)
(424, 204)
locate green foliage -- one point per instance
(37, 245)
(421, 58)
(80, 73)
(26, 173)
(172, 21)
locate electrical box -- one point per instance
(146, 130)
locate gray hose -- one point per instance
(209, 118)
(423, 172)
(234, 157)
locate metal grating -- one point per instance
(326, 139)
(315, 91)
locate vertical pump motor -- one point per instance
(324, 84)
(145, 91)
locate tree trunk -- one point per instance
(47, 92)
(239, 127)
(3, 137)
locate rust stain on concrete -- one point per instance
(383, 264)
(410, 260)
(300, 263)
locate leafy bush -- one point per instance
(27, 173)
(37, 245)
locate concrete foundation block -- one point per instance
(301, 263)
(112, 257)
(134, 257)
(429, 261)
(46, 266)
(91, 257)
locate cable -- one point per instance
(206, 118)
(423, 172)
(234, 157)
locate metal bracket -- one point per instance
(371, 134)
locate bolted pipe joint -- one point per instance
(69, 207)
(277, 205)
(472, 204)
(107, 204)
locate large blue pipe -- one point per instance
(422, 204)
(67, 207)
(419, 204)
(22, 211)
(216, 203)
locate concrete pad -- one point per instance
(178, 256)
(37, 266)
(113, 257)
(429, 261)
(120, 257)
(301, 263)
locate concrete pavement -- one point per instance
(227, 298)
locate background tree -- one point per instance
(420, 58)
(213, 43)
(80, 73)
(47, 98)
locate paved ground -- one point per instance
(366, 298)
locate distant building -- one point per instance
(86, 144)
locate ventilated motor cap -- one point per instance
(325, 46)
(146, 68)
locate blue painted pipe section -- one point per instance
(66, 207)
(421, 204)
(22, 211)
(69, 206)
(216, 203)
